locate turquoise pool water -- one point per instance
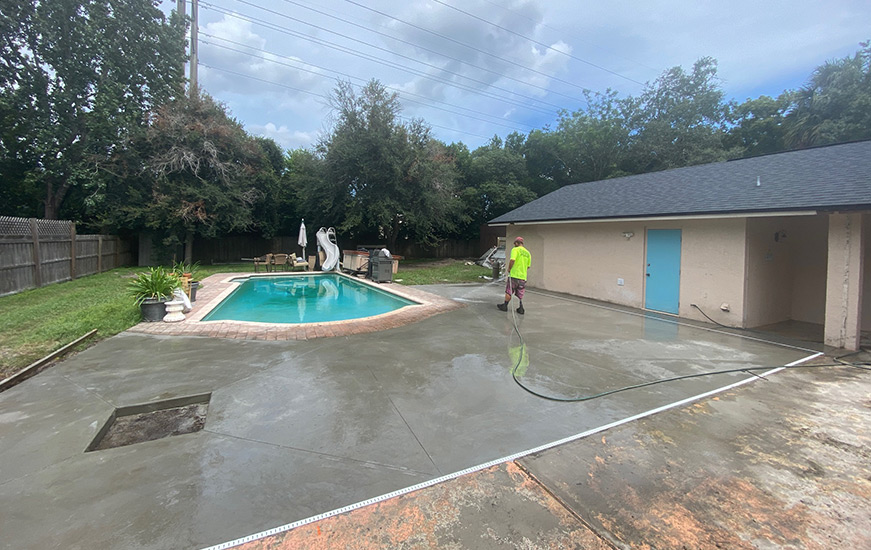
(304, 299)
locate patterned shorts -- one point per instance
(516, 287)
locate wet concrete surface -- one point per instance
(299, 428)
(779, 464)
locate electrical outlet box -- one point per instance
(619, 282)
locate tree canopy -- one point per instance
(77, 79)
(835, 104)
(93, 123)
(195, 171)
(382, 177)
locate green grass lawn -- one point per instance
(36, 322)
(431, 272)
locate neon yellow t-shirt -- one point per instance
(522, 259)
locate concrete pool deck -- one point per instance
(780, 464)
(298, 428)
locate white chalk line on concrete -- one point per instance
(490, 464)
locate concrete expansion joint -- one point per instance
(327, 455)
(565, 505)
(34, 475)
(89, 391)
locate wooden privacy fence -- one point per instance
(36, 253)
(232, 248)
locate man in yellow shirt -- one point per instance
(517, 268)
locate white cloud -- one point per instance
(283, 135)
(761, 47)
(238, 60)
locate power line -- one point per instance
(326, 98)
(393, 52)
(391, 64)
(402, 93)
(309, 92)
(461, 132)
(562, 30)
(534, 41)
(387, 63)
(418, 46)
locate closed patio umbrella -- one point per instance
(303, 240)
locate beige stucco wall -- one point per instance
(589, 259)
(809, 239)
(786, 277)
(733, 261)
(712, 269)
(585, 259)
(769, 282)
(866, 288)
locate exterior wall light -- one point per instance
(628, 234)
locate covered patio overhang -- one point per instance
(832, 293)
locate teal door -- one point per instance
(662, 291)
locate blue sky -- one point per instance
(476, 68)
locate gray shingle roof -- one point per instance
(823, 178)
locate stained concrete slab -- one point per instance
(383, 411)
(778, 465)
(783, 464)
(498, 508)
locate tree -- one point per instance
(195, 172)
(544, 165)
(384, 178)
(275, 212)
(307, 188)
(495, 182)
(759, 125)
(594, 142)
(77, 78)
(835, 104)
(681, 119)
(496, 163)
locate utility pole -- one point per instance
(180, 13)
(195, 9)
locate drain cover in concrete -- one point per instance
(140, 423)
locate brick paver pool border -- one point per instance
(217, 287)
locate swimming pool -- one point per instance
(295, 299)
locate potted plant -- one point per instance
(151, 290)
(189, 271)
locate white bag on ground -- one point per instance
(179, 294)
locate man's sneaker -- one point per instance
(503, 307)
(520, 310)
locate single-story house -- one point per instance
(750, 242)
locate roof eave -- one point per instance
(686, 216)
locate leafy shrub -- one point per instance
(158, 283)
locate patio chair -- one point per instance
(295, 262)
(265, 261)
(279, 260)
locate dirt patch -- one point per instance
(148, 426)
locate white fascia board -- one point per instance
(668, 218)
